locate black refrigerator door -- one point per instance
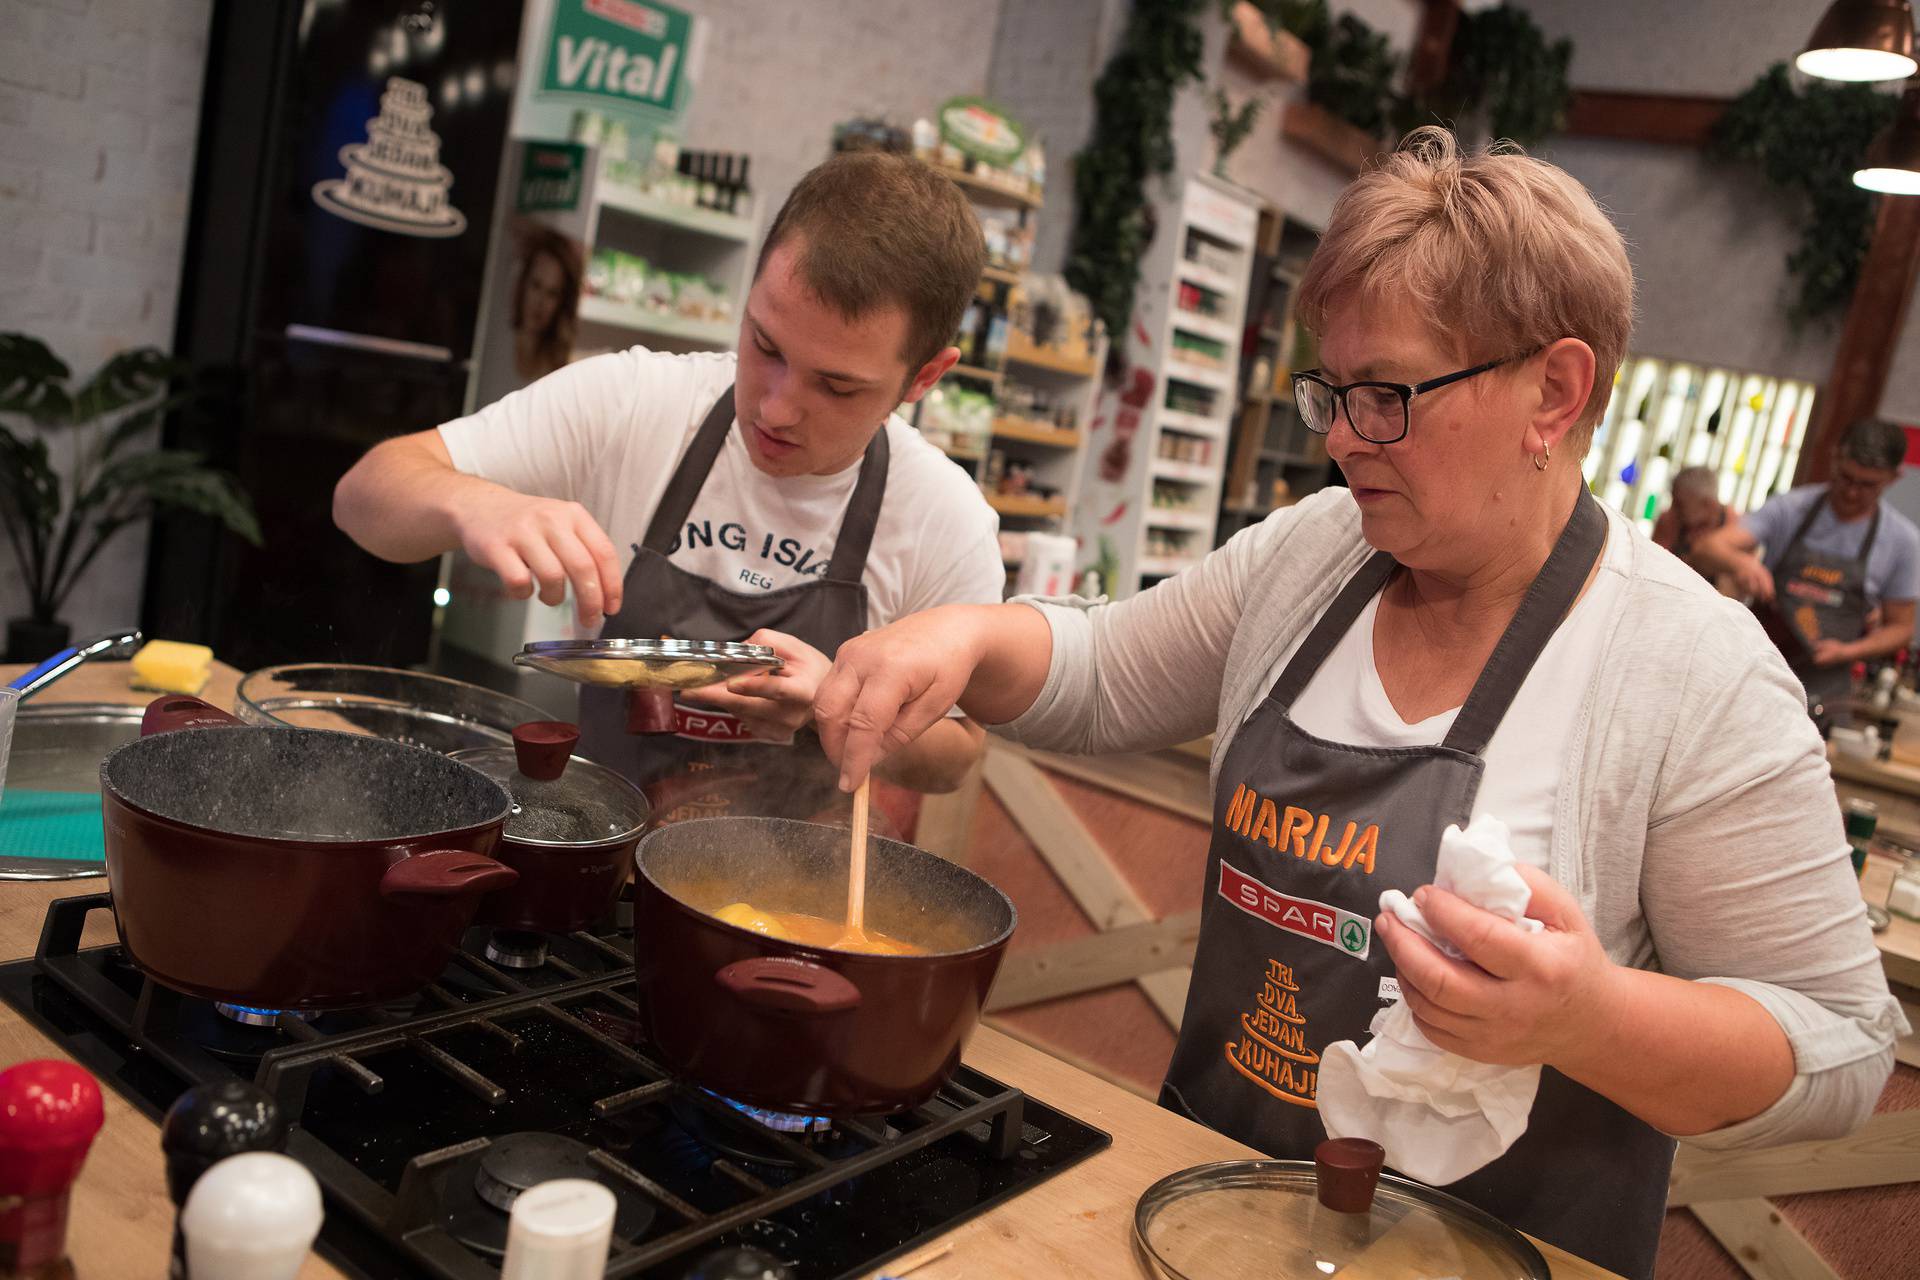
(348, 164)
(387, 157)
(309, 594)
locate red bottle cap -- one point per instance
(49, 1112)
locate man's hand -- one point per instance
(543, 544)
(1831, 653)
(777, 704)
(1753, 579)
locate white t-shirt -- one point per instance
(607, 433)
(1346, 702)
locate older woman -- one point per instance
(1465, 631)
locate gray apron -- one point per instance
(1819, 597)
(709, 767)
(1304, 843)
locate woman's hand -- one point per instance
(775, 704)
(1525, 998)
(888, 687)
(1753, 579)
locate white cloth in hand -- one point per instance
(1440, 1116)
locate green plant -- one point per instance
(1231, 125)
(1352, 74)
(111, 482)
(1501, 63)
(1807, 143)
(1132, 142)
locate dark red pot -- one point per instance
(806, 1029)
(567, 881)
(293, 868)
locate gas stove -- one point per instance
(423, 1120)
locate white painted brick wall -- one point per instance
(99, 109)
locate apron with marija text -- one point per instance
(711, 766)
(1307, 834)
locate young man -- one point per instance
(770, 497)
(1833, 554)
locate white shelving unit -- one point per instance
(675, 237)
(1192, 303)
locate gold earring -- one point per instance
(1542, 458)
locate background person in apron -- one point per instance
(1694, 512)
(1840, 571)
(1463, 632)
(771, 496)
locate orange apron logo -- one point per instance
(1304, 834)
(1272, 1049)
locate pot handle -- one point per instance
(446, 873)
(789, 985)
(178, 711)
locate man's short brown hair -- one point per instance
(878, 230)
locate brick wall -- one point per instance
(99, 107)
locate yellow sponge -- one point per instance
(168, 666)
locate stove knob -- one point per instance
(559, 1230)
(204, 1126)
(251, 1217)
(740, 1264)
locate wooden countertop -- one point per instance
(1076, 1226)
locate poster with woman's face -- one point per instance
(546, 296)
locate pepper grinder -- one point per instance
(253, 1216)
(204, 1126)
(49, 1113)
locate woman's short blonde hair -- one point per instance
(1499, 252)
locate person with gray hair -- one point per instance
(1818, 561)
(1695, 512)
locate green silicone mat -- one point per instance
(51, 824)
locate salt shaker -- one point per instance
(559, 1230)
(204, 1126)
(49, 1114)
(253, 1216)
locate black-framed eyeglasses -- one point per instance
(1379, 412)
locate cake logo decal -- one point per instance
(395, 181)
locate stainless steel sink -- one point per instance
(58, 747)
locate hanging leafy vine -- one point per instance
(1501, 63)
(1132, 142)
(1807, 143)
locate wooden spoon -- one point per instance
(856, 933)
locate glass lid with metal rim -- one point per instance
(1334, 1217)
(559, 798)
(648, 664)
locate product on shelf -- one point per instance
(1052, 319)
(1039, 406)
(1009, 238)
(1195, 349)
(1209, 255)
(631, 280)
(662, 171)
(1197, 299)
(957, 419)
(1186, 397)
(1184, 448)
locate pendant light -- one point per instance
(1861, 40)
(1892, 162)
